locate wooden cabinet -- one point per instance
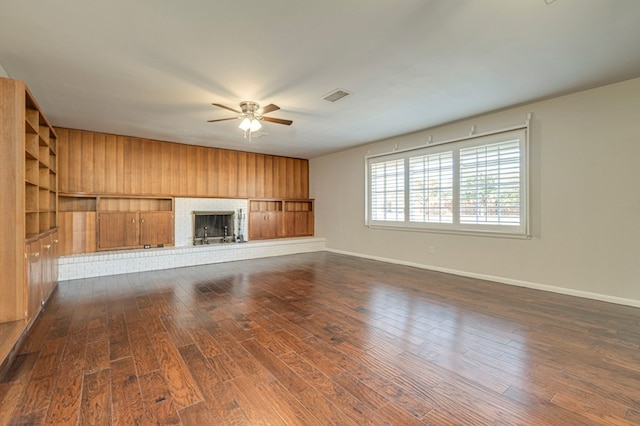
(134, 222)
(28, 190)
(101, 222)
(270, 218)
(265, 219)
(77, 224)
(156, 228)
(264, 224)
(41, 271)
(298, 218)
(33, 278)
(118, 230)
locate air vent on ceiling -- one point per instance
(336, 95)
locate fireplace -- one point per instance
(213, 227)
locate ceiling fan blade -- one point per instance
(278, 120)
(222, 119)
(226, 107)
(269, 108)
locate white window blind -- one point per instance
(387, 190)
(431, 188)
(490, 184)
(476, 184)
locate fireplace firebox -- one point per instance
(213, 227)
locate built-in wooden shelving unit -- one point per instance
(29, 209)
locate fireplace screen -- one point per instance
(213, 227)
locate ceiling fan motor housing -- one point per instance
(249, 107)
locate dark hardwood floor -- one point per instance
(318, 339)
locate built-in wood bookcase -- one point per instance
(40, 177)
(28, 212)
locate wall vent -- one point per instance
(336, 95)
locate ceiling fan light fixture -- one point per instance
(250, 116)
(245, 124)
(250, 124)
(255, 125)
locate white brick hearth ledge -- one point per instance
(101, 264)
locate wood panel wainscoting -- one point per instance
(318, 339)
(99, 163)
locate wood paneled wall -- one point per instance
(99, 163)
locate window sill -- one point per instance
(473, 233)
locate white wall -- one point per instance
(3, 73)
(585, 184)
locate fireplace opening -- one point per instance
(213, 227)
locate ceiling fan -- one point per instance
(251, 115)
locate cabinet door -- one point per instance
(255, 225)
(302, 224)
(46, 265)
(264, 224)
(118, 229)
(156, 228)
(272, 227)
(54, 255)
(298, 223)
(290, 224)
(33, 279)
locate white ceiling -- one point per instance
(152, 68)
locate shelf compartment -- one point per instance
(30, 197)
(45, 137)
(31, 145)
(32, 119)
(52, 181)
(31, 171)
(298, 206)
(52, 163)
(76, 204)
(43, 156)
(53, 145)
(108, 204)
(44, 178)
(45, 223)
(265, 206)
(43, 194)
(32, 224)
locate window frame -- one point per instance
(522, 230)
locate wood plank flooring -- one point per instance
(320, 339)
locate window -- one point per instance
(431, 188)
(477, 185)
(387, 190)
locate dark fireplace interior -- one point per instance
(212, 226)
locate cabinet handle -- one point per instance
(141, 220)
(48, 247)
(133, 221)
(55, 241)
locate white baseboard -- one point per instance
(502, 280)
